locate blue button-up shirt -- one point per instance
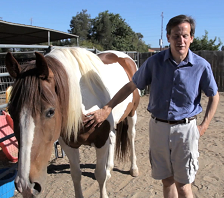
(175, 89)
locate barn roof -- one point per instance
(14, 33)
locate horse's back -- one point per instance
(113, 68)
(117, 71)
(112, 56)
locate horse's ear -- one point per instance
(41, 64)
(12, 65)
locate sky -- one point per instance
(143, 16)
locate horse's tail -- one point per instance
(122, 141)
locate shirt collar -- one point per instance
(167, 55)
(188, 59)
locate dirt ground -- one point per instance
(209, 181)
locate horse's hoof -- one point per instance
(134, 172)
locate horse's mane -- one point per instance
(28, 90)
(25, 91)
(78, 63)
(68, 65)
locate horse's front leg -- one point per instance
(110, 159)
(105, 163)
(73, 156)
(131, 135)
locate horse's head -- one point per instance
(36, 108)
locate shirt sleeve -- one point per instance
(208, 83)
(143, 76)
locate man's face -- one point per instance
(180, 40)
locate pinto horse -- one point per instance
(49, 100)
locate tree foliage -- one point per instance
(107, 31)
(89, 44)
(101, 30)
(205, 44)
(80, 25)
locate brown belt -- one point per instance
(183, 121)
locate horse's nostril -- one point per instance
(36, 189)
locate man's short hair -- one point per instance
(178, 20)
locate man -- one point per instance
(176, 77)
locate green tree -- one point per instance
(89, 44)
(101, 31)
(205, 44)
(107, 31)
(124, 38)
(112, 32)
(141, 46)
(80, 25)
(140, 36)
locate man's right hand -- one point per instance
(96, 118)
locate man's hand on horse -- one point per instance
(96, 118)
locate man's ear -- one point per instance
(168, 37)
(192, 39)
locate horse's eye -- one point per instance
(50, 113)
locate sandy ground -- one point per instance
(209, 180)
